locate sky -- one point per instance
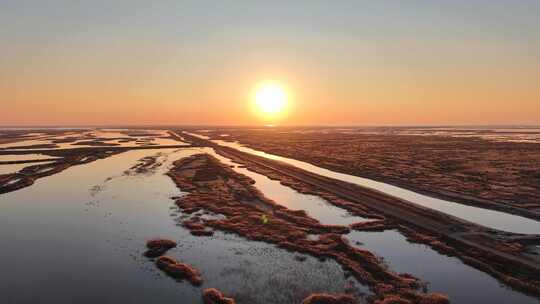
(341, 62)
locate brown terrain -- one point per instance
(182, 271)
(240, 208)
(498, 175)
(178, 270)
(494, 252)
(217, 188)
(214, 296)
(61, 159)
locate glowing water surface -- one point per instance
(488, 218)
(108, 137)
(18, 157)
(443, 274)
(315, 206)
(78, 237)
(448, 275)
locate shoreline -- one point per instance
(475, 245)
(453, 195)
(213, 186)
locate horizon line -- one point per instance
(10, 126)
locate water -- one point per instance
(13, 168)
(448, 275)
(511, 134)
(7, 169)
(78, 236)
(110, 137)
(518, 135)
(489, 218)
(6, 158)
(315, 206)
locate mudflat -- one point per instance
(485, 169)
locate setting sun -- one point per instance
(364, 152)
(270, 98)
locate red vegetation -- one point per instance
(223, 191)
(378, 225)
(158, 247)
(66, 159)
(489, 174)
(434, 298)
(508, 270)
(322, 298)
(214, 296)
(202, 232)
(179, 270)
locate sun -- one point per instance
(270, 98)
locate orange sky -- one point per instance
(381, 64)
